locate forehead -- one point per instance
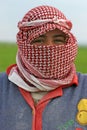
(54, 32)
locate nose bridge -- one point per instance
(49, 41)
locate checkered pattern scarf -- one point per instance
(43, 68)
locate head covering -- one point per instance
(45, 67)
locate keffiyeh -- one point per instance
(43, 68)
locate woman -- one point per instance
(43, 91)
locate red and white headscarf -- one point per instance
(44, 68)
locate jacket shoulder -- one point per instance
(3, 77)
(82, 78)
(82, 84)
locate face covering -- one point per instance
(44, 68)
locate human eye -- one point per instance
(38, 41)
(59, 40)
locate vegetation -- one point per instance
(8, 54)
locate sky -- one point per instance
(12, 11)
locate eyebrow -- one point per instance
(42, 36)
(54, 36)
(59, 35)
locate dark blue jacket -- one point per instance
(67, 112)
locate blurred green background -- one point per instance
(8, 53)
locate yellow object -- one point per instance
(82, 105)
(81, 116)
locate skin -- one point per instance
(53, 37)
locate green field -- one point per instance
(8, 53)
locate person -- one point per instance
(43, 90)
